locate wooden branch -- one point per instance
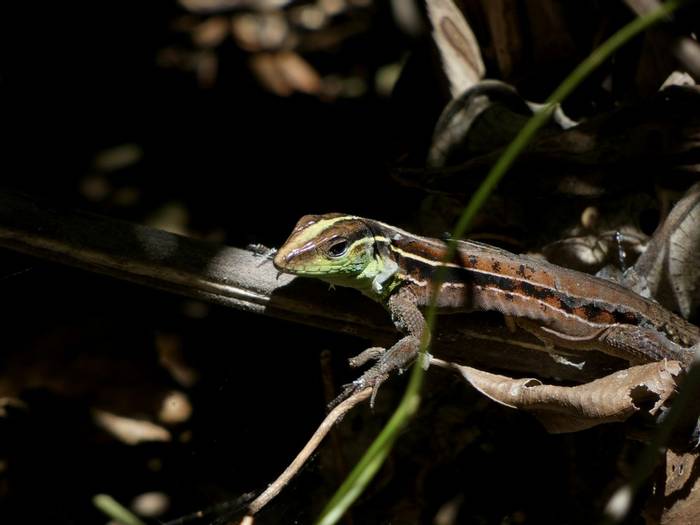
(240, 279)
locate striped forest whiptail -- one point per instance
(562, 307)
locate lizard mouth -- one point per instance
(287, 260)
(285, 263)
(280, 262)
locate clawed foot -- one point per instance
(366, 380)
(398, 357)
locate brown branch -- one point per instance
(240, 279)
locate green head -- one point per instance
(340, 249)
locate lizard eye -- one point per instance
(338, 248)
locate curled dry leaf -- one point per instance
(613, 398)
(586, 253)
(681, 491)
(668, 270)
(482, 118)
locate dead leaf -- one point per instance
(130, 430)
(211, 32)
(681, 490)
(284, 73)
(613, 398)
(459, 49)
(668, 270)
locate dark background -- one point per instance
(244, 164)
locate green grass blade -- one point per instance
(115, 510)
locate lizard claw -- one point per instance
(371, 378)
(398, 357)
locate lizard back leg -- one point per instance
(643, 344)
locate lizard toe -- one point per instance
(371, 354)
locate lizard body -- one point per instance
(563, 307)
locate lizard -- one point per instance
(562, 307)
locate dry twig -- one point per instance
(331, 419)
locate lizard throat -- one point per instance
(377, 279)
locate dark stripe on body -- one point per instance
(474, 279)
(587, 298)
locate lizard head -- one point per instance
(340, 249)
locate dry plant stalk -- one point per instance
(331, 419)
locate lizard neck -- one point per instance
(406, 260)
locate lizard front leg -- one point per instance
(409, 320)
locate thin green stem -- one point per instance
(585, 68)
(115, 510)
(375, 455)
